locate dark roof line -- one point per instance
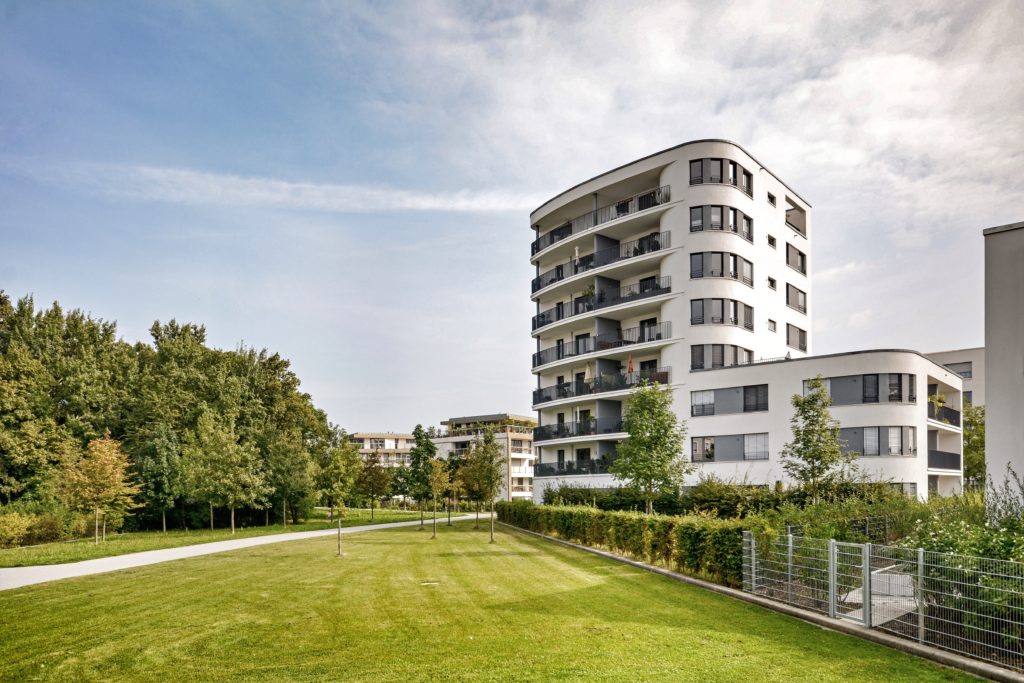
(669, 149)
(1000, 228)
(830, 355)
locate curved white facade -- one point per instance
(691, 265)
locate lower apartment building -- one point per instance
(692, 267)
(392, 449)
(514, 435)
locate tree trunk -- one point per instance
(371, 508)
(266, 517)
(284, 512)
(232, 520)
(449, 512)
(421, 514)
(104, 527)
(434, 535)
(211, 515)
(330, 514)
(492, 520)
(476, 524)
(163, 515)
(96, 529)
(339, 536)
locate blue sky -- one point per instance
(349, 184)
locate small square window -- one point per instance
(771, 283)
(771, 199)
(771, 325)
(771, 241)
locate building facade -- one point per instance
(970, 365)
(514, 435)
(1004, 350)
(392, 449)
(691, 268)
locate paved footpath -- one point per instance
(16, 577)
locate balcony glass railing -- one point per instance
(624, 207)
(943, 460)
(600, 384)
(565, 430)
(570, 467)
(604, 342)
(944, 414)
(604, 299)
(621, 252)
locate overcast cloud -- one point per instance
(350, 184)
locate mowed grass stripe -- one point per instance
(522, 609)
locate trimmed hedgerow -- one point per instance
(700, 545)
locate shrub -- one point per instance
(14, 527)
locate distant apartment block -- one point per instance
(970, 365)
(1004, 350)
(514, 435)
(692, 268)
(392, 449)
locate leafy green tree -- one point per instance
(456, 485)
(974, 444)
(484, 472)
(651, 460)
(289, 468)
(337, 475)
(158, 468)
(374, 480)
(438, 485)
(420, 455)
(99, 481)
(400, 483)
(815, 455)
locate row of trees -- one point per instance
(198, 427)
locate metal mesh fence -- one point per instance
(973, 606)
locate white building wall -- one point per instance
(1004, 350)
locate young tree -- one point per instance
(158, 467)
(99, 481)
(815, 455)
(289, 468)
(650, 460)
(400, 483)
(484, 471)
(974, 444)
(420, 456)
(374, 480)
(438, 485)
(456, 486)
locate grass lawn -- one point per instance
(120, 544)
(402, 607)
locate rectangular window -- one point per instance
(895, 440)
(755, 398)
(715, 165)
(772, 284)
(748, 317)
(771, 242)
(912, 388)
(702, 403)
(871, 441)
(771, 199)
(716, 218)
(755, 446)
(697, 312)
(733, 271)
(796, 298)
(717, 312)
(703, 449)
(869, 388)
(965, 370)
(912, 441)
(716, 264)
(748, 272)
(968, 397)
(732, 172)
(748, 183)
(733, 226)
(696, 265)
(796, 338)
(696, 172)
(895, 388)
(717, 356)
(744, 356)
(696, 218)
(376, 443)
(734, 312)
(771, 325)
(748, 228)
(697, 357)
(796, 259)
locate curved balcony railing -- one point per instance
(564, 430)
(604, 257)
(730, 274)
(571, 467)
(603, 299)
(624, 207)
(599, 385)
(604, 342)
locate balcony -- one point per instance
(626, 250)
(624, 207)
(745, 233)
(730, 274)
(603, 299)
(943, 460)
(571, 467)
(567, 430)
(716, 320)
(601, 384)
(944, 414)
(522, 488)
(604, 342)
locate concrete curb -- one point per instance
(954, 661)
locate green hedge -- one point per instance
(700, 545)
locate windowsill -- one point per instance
(797, 270)
(797, 309)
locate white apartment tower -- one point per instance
(691, 267)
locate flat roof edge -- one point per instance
(669, 149)
(831, 355)
(1003, 228)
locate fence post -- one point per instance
(753, 563)
(832, 577)
(789, 567)
(866, 581)
(920, 596)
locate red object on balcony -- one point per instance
(629, 364)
